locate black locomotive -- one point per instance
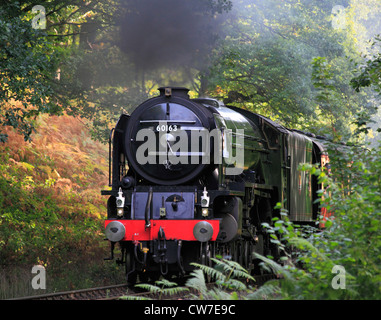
(193, 178)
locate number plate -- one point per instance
(167, 127)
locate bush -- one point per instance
(50, 203)
(343, 260)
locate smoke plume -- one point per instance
(169, 33)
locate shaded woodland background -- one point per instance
(308, 64)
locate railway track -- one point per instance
(100, 293)
(112, 292)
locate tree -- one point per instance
(82, 63)
(370, 72)
(31, 66)
(25, 67)
(269, 63)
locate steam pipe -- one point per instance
(110, 157)
(148, 205)
(179, 244)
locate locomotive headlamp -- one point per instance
(120, 199)
(205, 199)
(119, 212)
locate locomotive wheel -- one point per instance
(247, 255)
(149, 276)
(143, 277)
(264, 214)
(240, 252)
(131, 274)
(270, 248)
(206, 252)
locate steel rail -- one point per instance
(82, 294)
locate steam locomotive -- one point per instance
(194, 178)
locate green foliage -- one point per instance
(350, 239)
(25, 64)
(226, 274)
(41, 69)
(370, 72)
(229, 277)
(285, 60)
(162, 287)
(261, 62)
(34, 230)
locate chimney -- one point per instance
(174, 91)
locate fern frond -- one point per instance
(303, 244)
(274, 267)
(229, 264)
(242, 274)
(197, 281)
(149, 287)
(173, 291)
(218, 294)
(209, 271)
(165, 283)
(166, 288)
(268, 291)
(233, 284)
(233, 269)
